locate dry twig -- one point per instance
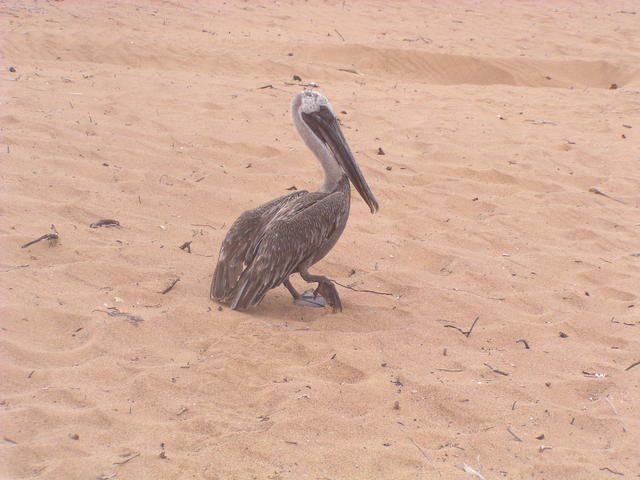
(170, 286)
(105, 222)
(52, 237)
(106, 476)
(128, 459)
(635, 364)
(495, 370)
(114, 312)
(599, 192)
(513, 434)
(363, 290)
(607, 469)
(309, 84)
(466, 334)
(420, 449)
(540, 122)
(613, 407)
(15, 268)
(469, 469)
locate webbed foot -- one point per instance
(310, 299)
(327, 291)
(324, 294)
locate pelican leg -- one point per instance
(306, 299)
(325, 290)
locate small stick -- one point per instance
(419, 448)
(523, 341)
(127, 460)
(473, 325)
(513, 434)
(457, 328)
(466, 334)
(632, 365)
(397, 382)
(606, 399)
(105, 222)
(495, 370)
(349, 70)
(182, 410)
(186, 246)
(310, 84)
(7, 439)
(599, 192)
(171, 285)
(469, 469)
(453, 370)
(114, 312)
(46, 236)
(473, 293)
(540, 122)
(16, 267)
(106, 476)
(335, 30)
(363, 290)
(607, 469)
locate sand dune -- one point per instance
(497, 120)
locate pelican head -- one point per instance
(318, 126)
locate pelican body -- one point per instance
(289, 234)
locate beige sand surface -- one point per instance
(496, 119)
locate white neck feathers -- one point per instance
(332, 170)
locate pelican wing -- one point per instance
(289, 240)
(243, 234)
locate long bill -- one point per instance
(326, 126)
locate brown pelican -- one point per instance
(266, 245)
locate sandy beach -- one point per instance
(503, 337)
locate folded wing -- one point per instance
(292, 238)
(242, 235)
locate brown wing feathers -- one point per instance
(238, 243)
(289, 240)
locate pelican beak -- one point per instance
(324, 123)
